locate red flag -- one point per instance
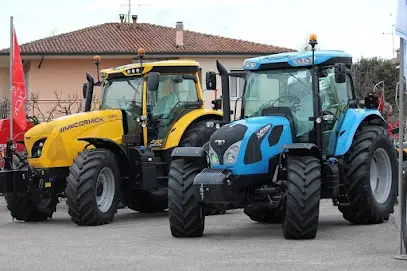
(19, 92)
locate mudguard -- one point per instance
(192, 152)
(352, 119)
(299, 146)
(113, 147)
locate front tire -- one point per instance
(300, 219)
(197, 135)
(186, 215)
(91, 188)
(370, 167)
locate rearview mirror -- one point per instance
(340, 73)
(84, 90)
(217, 104)
(153, 81)
(210, 80)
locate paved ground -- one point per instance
(231, 242)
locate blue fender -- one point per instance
(351, 121)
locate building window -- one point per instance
(236, 85)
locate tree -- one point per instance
(367, 72)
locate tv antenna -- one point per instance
(129, 5)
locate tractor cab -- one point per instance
(153, 96)
(287, 89)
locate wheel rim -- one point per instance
(105, 189)
(381, 175)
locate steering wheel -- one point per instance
(287, 97)
(134, 107)
(329, 112)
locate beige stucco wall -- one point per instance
(4, 83)
(209, 64)
(66, 77)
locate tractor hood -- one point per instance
(56, 144)
(248, 146)
(68, 122)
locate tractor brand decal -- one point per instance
(220, 142)
(156, 143)
(112, 116)
(80, 123)
(263, 131)
(303, 61)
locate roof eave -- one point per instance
(150, 53)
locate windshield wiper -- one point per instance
(298, 79)
(133, 87)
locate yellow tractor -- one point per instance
(119, 153)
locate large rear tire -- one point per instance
(300, 219)
(186, 215)
(91, 188)
(370, 168)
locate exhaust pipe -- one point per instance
(89, 92)
(224, 74)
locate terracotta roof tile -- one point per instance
(117, 38)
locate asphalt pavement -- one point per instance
(232, 241)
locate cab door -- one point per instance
(334, 99)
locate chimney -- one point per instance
(121, 16)
(134, 18)
(179, 36)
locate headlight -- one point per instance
(213, 157)
(231, 153)
(36, 150)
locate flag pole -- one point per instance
(11, 75)
(402, 202)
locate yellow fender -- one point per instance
(177, 131)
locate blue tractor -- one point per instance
(302, 136)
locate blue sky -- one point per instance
(355, 26)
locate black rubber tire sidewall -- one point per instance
(364, 208)
(388, 205)
(301, 215)
(186, 215)
(81, 199)
(22, 207)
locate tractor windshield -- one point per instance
(290, 88)
(123, 93)
(173, 93)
